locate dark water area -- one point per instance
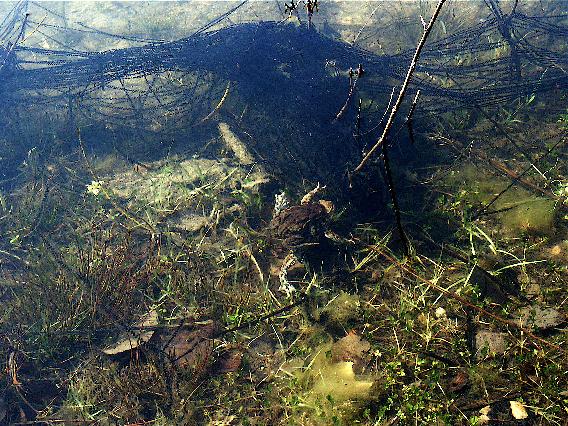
(304, 213)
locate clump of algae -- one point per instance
(520, 210)
(329, 390)
(341, 312)
(532, 214)
(337, 379)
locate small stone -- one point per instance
(540, 317)
(440, 312)
(494, 343)
(518, 410)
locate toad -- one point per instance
(296, 229)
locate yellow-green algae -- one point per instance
(520, 210)
(329, 392)
(338, 380)
(341, 312)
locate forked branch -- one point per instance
(403, 88)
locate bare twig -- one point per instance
(219, 105)
(352, 85)
(358, 123)
(403, 88)
(383, 116)
(394, 199)
(365, 25)
(410, 116)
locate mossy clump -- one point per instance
(337, 380)
(531, 214)
(519, 209)
(341, 313)
(329, 391)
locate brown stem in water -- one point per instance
(394, 199)
(410, 117)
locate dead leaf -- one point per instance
(518, 410)
(191, 346)
(459, 382)
(135, 337)
(483, 419)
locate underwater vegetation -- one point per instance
(518, 209)
(288, 213)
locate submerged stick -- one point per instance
(394, 199)
(359, 73)
(403, 88)
(410, 117)
(219, 105)
(358, 123)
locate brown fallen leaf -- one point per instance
(459, 382)
(190, 346)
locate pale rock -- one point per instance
(494, 342)
(540, 317)
(518, 410)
